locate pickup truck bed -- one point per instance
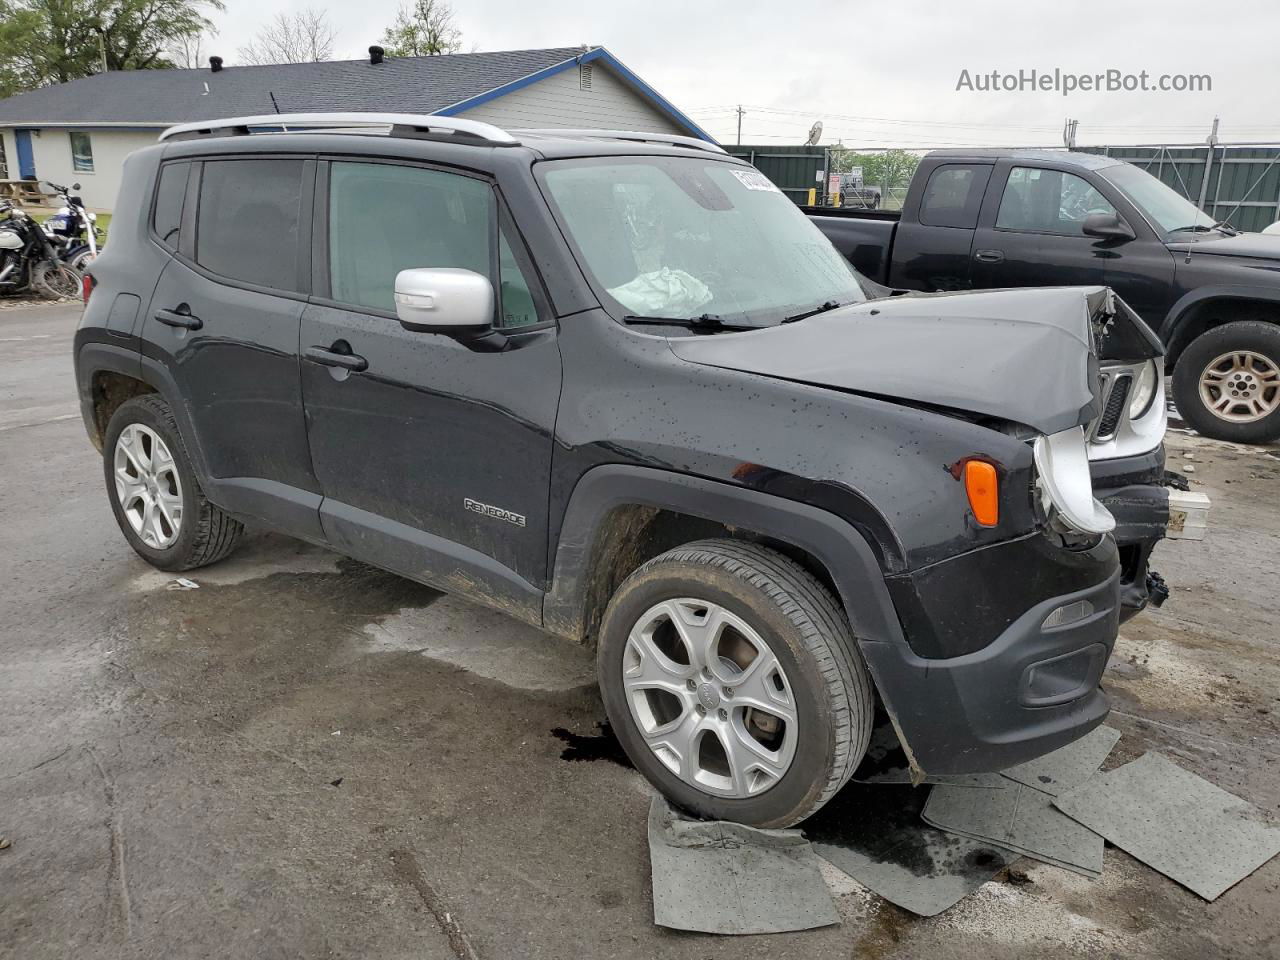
(865, 237)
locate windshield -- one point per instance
(677, 238)
(1161, 204)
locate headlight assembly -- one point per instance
(1065, 487)
(1144, 389)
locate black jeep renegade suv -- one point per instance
(617, 386)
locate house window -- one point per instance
(81, 153)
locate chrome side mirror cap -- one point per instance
(444, 300)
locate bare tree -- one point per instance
(423, 29)
(187, 52)
(302, 37)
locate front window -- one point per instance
(1037, 200)
(81, 153)
(1163, 206)
(677, 238)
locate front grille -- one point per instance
(1113, 410)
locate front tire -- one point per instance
(154, 493)
(1227, 382)
(55, 280)
(734, 683)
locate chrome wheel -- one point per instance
(709, 697)
(147, 486)
(1241, 386)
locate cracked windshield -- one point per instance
(675, 238)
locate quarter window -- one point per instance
(171, 191)
(247, 227)
(954, 194)
(1048, 201)
(81, 153)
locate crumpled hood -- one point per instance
(1029, 355)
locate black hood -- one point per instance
(1027, 356)
(1260, 246)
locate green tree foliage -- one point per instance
(52, 41)
(887, 168)
(423, 29)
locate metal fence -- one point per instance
(793, 170)
(1239, 183)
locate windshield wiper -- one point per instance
(1203, 228)
(707, 321)
(829, 305)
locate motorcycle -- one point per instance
(74, 229)
(29, 260)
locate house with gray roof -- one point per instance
(81, 131)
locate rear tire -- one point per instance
(154, 493)
(1227, 382)
(693, 731)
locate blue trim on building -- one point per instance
(604, 56)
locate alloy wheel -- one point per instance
(710, 698)
(1241, 386)
(148, 486)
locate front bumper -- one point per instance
(1133, 489)
(1034, 688)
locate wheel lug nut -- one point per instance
(728, 693)
(724, 714)
(702, 711)
(691, 685)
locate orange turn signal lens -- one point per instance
(983, 488)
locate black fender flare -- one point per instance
(836, 544)
(96, 357)
(1169, 327)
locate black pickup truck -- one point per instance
(982, 219)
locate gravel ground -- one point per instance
(306, 757)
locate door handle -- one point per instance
(332, 358)
(179, 318)
(989, 256)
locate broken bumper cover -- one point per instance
(1031, 690)
(1133, 490)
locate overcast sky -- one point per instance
(885, 73)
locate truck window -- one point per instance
(954, 194)
(247, 227)
(1048, 201)
(166, 219)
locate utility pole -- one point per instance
(740, 113)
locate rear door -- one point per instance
(224, 321)
(433, 453)
(933, 242)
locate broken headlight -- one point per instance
(1065, 487)
(1144, 389)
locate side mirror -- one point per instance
(444, 300)
(1107, 226)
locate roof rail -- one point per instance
(395, 124)
(631, 136)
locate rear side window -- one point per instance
(247, 227)
(166, 219)
(954, 194)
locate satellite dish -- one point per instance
(815, 134)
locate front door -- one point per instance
(1031, 235)
(26, 159)
(224, 322)
(433, 453)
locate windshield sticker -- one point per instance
(755, 180)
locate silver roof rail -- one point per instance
(393, 123)
(631, 136)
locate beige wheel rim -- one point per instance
(1241, 386)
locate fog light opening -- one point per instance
(1068, 613)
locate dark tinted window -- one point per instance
(167, 218)
(954, 194)
(518, 308)
(248, 225)
(384, 218)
